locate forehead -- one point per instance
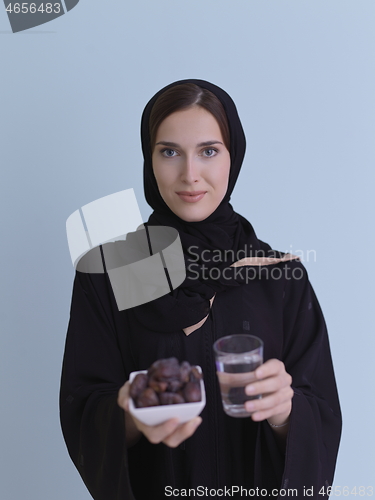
(189, 123)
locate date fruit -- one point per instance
(138, 385)
(192, 392)
(148, 397)
(166, 382)
(171, 398)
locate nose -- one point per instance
(190, 170)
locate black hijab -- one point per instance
(224, 230)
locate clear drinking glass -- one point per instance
(237, 356)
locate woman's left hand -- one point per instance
(274, 384)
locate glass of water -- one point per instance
(237, 356)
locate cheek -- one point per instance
(223, 178)
(164, 179)
(158, 173)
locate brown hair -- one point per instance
(184, 96)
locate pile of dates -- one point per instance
(166, 382)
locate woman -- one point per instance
(193, 146)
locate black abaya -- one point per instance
(276, 304)
(104, 345)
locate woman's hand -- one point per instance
(171, 432)
(274, 383)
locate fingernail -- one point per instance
(249, 389)
(249, 406)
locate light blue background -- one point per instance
(302, 75)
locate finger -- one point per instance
(268, 385)
(270, 400)
(270, 367)
(157, 433)
(277, 410)
(182, 432)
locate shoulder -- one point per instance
(291, 264)
(290, 274)
(93, 291)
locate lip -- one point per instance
(191, 196)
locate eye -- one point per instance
(169, 153)
(210, 152)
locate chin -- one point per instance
(191, 213)
(188, 216)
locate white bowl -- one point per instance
(154, 415)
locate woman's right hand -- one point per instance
(171, 432)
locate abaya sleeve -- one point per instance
(315, 421)
(92, 422)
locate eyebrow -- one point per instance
(175, 145)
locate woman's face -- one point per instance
(191, 163)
